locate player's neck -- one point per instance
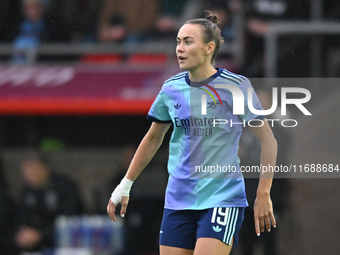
(202, 73)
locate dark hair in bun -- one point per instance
(212, 17)
(210, 31)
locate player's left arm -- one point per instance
(263, 208)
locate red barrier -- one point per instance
(68, 90)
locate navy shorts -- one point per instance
(181, 228)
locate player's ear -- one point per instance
(210, 48)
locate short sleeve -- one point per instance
(159, 111)
(248, 115)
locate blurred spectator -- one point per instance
(129, 20)
(331, 10)
(4, 15)
(249, 153)
(9, 10)
(37, 27)
(331, 44)
(31, 30)
(45, 196)
(225, 10)
(80, 17)
(259, 14)
(7, 218)
(173, 14)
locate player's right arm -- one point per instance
(147, 149)
(145, 152)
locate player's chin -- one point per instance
(183, 67)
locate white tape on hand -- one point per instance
(122, 190)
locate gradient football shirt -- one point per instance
(203, 164)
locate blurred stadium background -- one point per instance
(79, 85)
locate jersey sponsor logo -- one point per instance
(193, 122)
(195, 126)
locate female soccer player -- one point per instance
(205, 196)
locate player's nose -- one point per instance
(179, 48)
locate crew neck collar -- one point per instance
(201, 83)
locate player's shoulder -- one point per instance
(175, 78)
(234, 78)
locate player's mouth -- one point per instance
(181, 59)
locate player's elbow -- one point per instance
(154, 139)
(271, 142)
